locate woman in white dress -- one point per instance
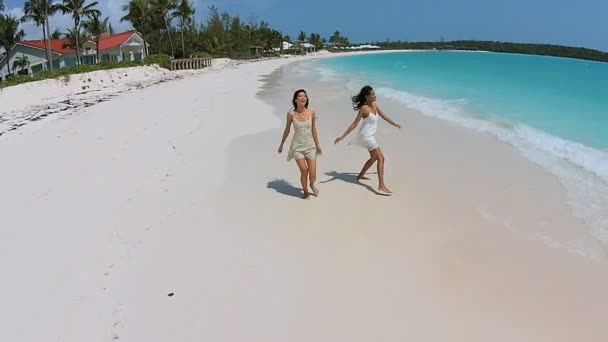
(368, 112)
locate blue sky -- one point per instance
(580, 23)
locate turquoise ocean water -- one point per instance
(554, 110)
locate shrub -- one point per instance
(161, 59)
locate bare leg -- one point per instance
(303, 176)
(381, 186)
(366, 166)
(312, 175)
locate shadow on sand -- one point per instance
(351, 178)
(284, 187)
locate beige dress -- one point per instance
(303, 143)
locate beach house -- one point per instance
(126, 46)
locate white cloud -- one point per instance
(113, 9)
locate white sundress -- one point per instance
(366, 136)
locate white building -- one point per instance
(302, 47)
(364, 47)
(118, 47)
(287, 45)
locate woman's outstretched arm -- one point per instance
(386, 117)
(351, 127)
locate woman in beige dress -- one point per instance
(304, 146)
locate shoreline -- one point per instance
(581, 243)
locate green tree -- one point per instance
(71, 34)
(222, 34)
(185, 14)
(315, 39)
(21, 62)
(276, 40)
(39, 12)
(344, 41)
(239, 37)
(139, 14)
(95, 27)
(214, 33)
(302, 37)
(335, 38)
(10, 34)
(56, 34)
(79, 10)
(162, 10)
(2, 7)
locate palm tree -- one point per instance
(276, 40)
(39, 11)
(21, 62)
(162, 9)
(335, 38)
(139, 15)
(56, 34)
(302, 37)
(95, 27)
(315, 39)
(74, 38)
(2, 5)
(78, 10)
(185, 13)
(10, 34)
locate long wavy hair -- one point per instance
(360, 99)
(294, 101)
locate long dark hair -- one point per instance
(360, 99)
(295, 97)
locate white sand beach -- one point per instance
(162, 212)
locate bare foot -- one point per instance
(384, 189)
(306, 196)
(315, 190)
(360, 178)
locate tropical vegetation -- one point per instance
(533, 49)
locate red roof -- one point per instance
(57, 45)
(115, 40)
(61, 46)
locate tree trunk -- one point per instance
(78, 62)
(48, 42)
(145, 45)
(183, 44)
(8, 68)
(97, 50)
(46, 48)
(76, 24)
(170, 40)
